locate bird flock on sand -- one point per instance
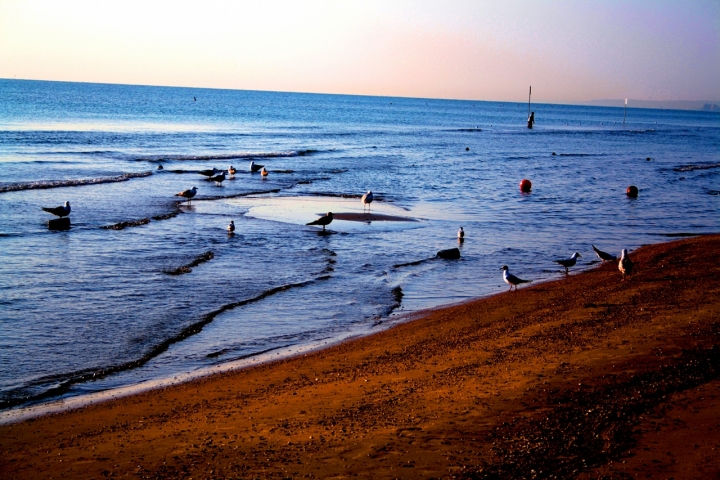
(625, 265)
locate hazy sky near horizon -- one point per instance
(487, 50)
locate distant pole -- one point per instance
(529, 94)
(625, 114)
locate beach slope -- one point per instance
(588, 376)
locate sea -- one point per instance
(145, 288)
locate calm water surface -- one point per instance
(92, 308)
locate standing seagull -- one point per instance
(231, 227)
(264, 172)
(604, 256)
(461, 234)
(189, 194)
(232, 171)
(625, 265)
(62, 211)
(569, 262)
(367, 200)
(511, 279)
(218, 179)
(324, 220)
(254, 168)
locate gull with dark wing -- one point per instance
(569, 262)
(231, 227)
(324, 220)
(62, 211)
(367, 200)
(604, 256)
(511, 279)
(210, 173)
(218, 179)
(625, 265)
(189, 194)
(254, 167)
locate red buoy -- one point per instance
(632, 191)
(525, 185)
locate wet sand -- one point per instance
(584, 377)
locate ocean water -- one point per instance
(95, 308)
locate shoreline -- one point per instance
(476, 389)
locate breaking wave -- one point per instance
(14, 187)
(227, 156)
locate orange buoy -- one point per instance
(632, 191)
(525, 185)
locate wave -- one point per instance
(701, 166)
(15, 187)
(227, 156)
(464, 130)
(200, 259)
(126, 224)
(63, 382)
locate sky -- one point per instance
(569, 51)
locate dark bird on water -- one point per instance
(189, 194)
(569, 262)
(231, 227)
(604, 256)
(461, 234)
(511, 279)
(625, 265)
(367, 200)
(62, 211)
(324, 220)
(218, 179)
(255, 167)
(210, 173)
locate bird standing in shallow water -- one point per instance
(189, 194)
(625, 265)
(254, 168)
(210, 173)
(367, 200)
(264, 172)
(461, 235)
(231, 227)
(62, 211)
(232, 171)
(604, 256)
(511, 279)
(218, 179)
(569, 262)
(324, 220)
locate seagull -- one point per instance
(604, 256)
(232, 171)
(264, 172)
(569, 262)
(625, 265)
(254, 168)
(461, 234)
(218, 179)
(324, 220)
(511, 279)
(62, 211)
(231, 227)
(367, 200)
(187, 193)
(210, 173)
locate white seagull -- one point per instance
(569, 262)
(511, 279)
(62, 211)
(625, 265)
(189, 194)
(324, 220)
(367, 200)
(231, 227)
(461, 234)
(254, 168)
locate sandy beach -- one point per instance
(588, 377)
